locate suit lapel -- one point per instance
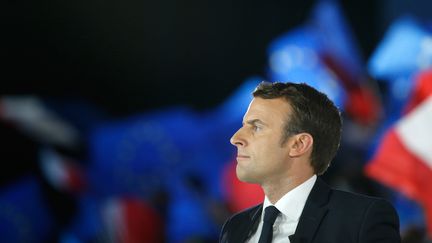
(314, 211)
(246, 229)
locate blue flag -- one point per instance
(134, 156)
(336, 38)
(24, 216)
(295, 57)
(405, 49)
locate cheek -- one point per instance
(269, 150)
(277, 152)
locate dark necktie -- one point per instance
(270, 215)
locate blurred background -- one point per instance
(115, 117)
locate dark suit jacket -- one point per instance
(329, 216)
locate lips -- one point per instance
(240, 156)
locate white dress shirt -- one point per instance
(291, 206)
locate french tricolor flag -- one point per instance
(403, 160)
(130, 220)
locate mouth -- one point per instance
(242, 157)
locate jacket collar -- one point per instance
(245, 223)
(246, 231)
(314, 211)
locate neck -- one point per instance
(275, 190)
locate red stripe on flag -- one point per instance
(75, 180)
(422, 90)
(142, 222)
(395, 166)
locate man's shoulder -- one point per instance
(345, 199)
(352, 196)
(359, 217)
(322, 193)
(344, 203)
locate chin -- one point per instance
(245, 178)
(241, 176)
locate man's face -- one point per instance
(261, 157)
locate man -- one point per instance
(290, 134)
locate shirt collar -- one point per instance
(292, 203)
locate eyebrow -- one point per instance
(255, 121)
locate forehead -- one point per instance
(268, 109)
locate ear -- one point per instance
(301, 144)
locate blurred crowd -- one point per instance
(73, 173)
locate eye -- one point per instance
(256, 128)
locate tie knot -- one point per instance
(270, 214)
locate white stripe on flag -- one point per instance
(415, 131)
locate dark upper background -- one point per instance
(130, 56)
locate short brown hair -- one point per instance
(314, 113)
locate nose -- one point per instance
(237, 139)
